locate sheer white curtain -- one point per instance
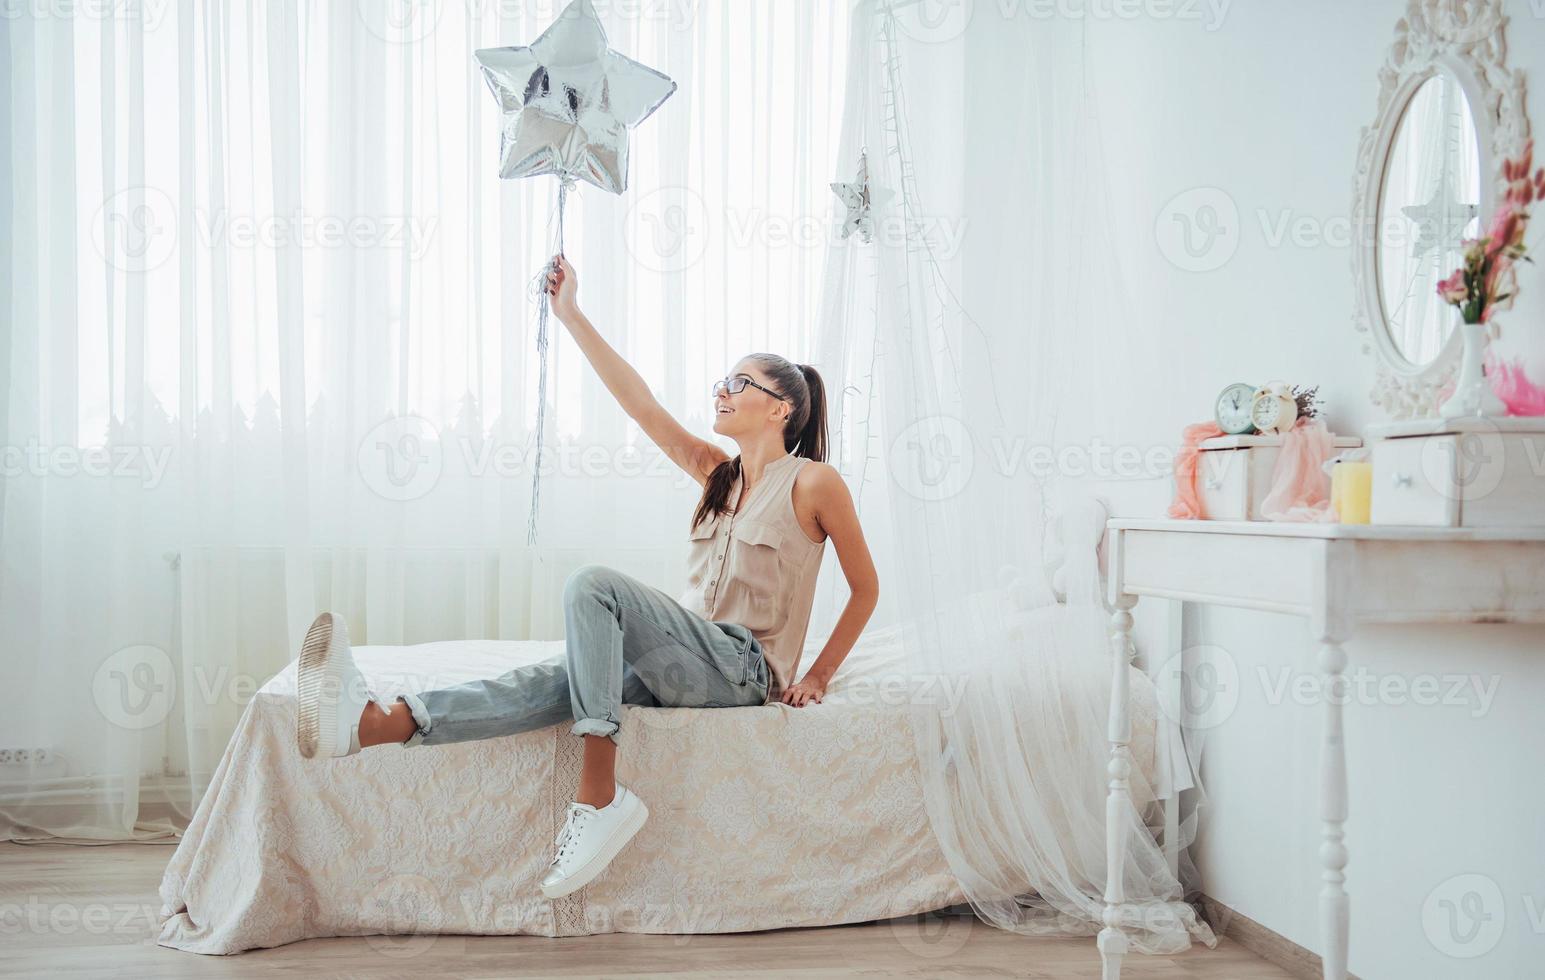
(267, 348)
(986, 139)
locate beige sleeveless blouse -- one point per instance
(756, 567)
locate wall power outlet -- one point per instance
(25, 756)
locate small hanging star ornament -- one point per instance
(860, 199)
(1442, 220)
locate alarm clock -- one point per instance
(1274, 409)
(1232, 409)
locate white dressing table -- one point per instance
(1337, 576)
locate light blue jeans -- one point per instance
(626, 643)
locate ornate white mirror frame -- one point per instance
(1465, 39)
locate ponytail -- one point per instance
(810, 440)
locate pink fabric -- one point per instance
(1187, 505)
(1300, 489)
(1512, 385)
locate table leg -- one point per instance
(1118, 801)
(1334, 905)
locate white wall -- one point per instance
(1266, 106)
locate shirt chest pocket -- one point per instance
(704, 549)
(755, 573)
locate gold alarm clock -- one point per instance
(1274, 409)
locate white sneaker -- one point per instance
(590, 838)
(330, 691)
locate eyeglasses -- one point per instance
(738, 384)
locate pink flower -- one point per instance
(1506, 233)
(1501, 287)
(1453, 290)
(1489, 261)
(1515, 174)
(1513, 169)
(1474, 251)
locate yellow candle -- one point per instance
(1351, 491)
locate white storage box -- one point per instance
(1233, 474)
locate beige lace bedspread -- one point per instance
(760, 818)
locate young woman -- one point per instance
(733, 638)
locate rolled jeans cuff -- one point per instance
(596, 726)
(415, 704)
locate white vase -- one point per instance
(1472, 391)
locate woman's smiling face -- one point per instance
(746, 411)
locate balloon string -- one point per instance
(539, 284)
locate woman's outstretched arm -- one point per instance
(695, 455)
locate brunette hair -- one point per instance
(804, 431)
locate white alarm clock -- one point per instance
(1273, 408)
(1232, 409)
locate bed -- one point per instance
(760, 818)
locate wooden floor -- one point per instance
(70, 911)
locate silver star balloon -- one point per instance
(860, 199)
(567, 102)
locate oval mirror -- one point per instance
(1429, 203)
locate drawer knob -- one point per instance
(1401, 480)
